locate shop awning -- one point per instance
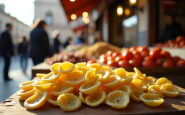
(78, 7)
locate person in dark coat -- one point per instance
(80, 39)
(39, 42)
(6, 49)
(67, 42)
(172, 29)
(56, 42)
(23, 52)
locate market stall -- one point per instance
(103, 78)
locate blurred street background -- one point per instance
(10, 87)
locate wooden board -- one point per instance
(158, 71)
(44, 68)
(40, 68)
(12, 106)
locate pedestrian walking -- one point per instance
(81, 38)
(56, 42)
(68, 42)
(6, 49)
(39, 42)
(23, 52)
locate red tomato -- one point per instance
(159, 62)
(112, 63)
(168, 63)
(171, 42)
(157, 49)
(124, 64)
(115, 54)
(127, 55)
(118, 58)
(103, 56)
(172, 45)
(182, 43)
(109, 53)
(148, 64)
(144, 53)
(159, 45)
(133, 48)
(103, 60)
(148, 58)
(110, 58)
(176, 45)
(176, 59)
(135, 62)
(166, 45)
(179, 39)
(91, 61)
(181, 63)
(142, 48)
(165, 54)
(155, 53)
(136, 52)
(138, 56)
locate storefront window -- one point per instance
(130, 31)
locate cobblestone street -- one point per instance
(7, 88)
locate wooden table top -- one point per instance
(12, 106)
(40, 68)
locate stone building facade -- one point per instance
(19, 28)
(53, 13)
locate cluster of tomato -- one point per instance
(141, 57)
(179, 42)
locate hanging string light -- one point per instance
(73, 16)
(132, 2)
(85, 14)
(127, 12)
(86, 20)
(72, 0)
(85, 17)
(120, 10)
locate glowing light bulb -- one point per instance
(84, 14)
(120, 10)
(72, 0)
(133, 2)
(86, 20)
(73, 16)
(127, 12)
